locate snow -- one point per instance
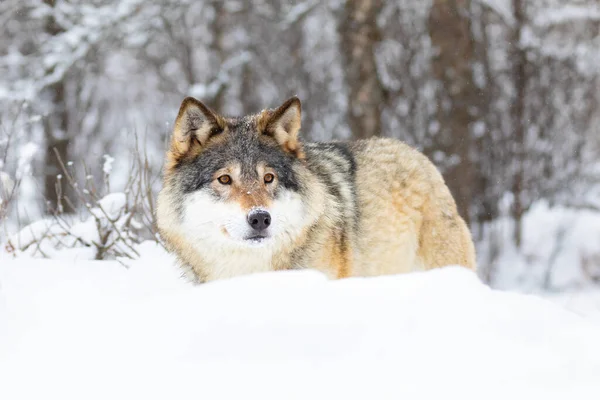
(107, 229)
(297, 12)
(6, 184)
(108, 164)
(95, 329)
(581, 302)
(112, 205)
(569, 13)
(26, 155)
(561, 248)
(210, 90)
(33, 233)
(503, 8)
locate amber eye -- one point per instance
(269, 178)
(224, 180)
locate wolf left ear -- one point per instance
(283, 125)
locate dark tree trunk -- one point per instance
(519, 57)
(56, 130)
(458, 100)
(485, 146)
(359, 38)
(218, 30)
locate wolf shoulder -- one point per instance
(385, 160)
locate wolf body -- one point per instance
(244, 195)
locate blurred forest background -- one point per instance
(503, 96)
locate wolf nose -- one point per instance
(259, 220)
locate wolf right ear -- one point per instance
(195, 123)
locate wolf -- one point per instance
(245, 195)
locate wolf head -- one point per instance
(235, 183)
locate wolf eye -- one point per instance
(269, 178)
(224, 180)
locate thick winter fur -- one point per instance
(364, 208)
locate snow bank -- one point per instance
(98, 330)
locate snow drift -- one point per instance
(98, 330)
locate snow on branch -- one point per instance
(82, 28)
(297, 13)
(210, 90)
(501, 8)
(567, 14)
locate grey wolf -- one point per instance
(245, 195)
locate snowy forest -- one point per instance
(502, 95)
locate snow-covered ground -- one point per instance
(88, 329)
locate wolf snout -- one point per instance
(259, 220)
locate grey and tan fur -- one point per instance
(244, 195)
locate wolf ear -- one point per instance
(283, 125)
(195, 123)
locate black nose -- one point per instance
(259, 220)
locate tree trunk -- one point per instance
(449, 27)
(55, 134)
(56, 130)
(218, 30)
(359, 38)
(485, 145)
(518, 112)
